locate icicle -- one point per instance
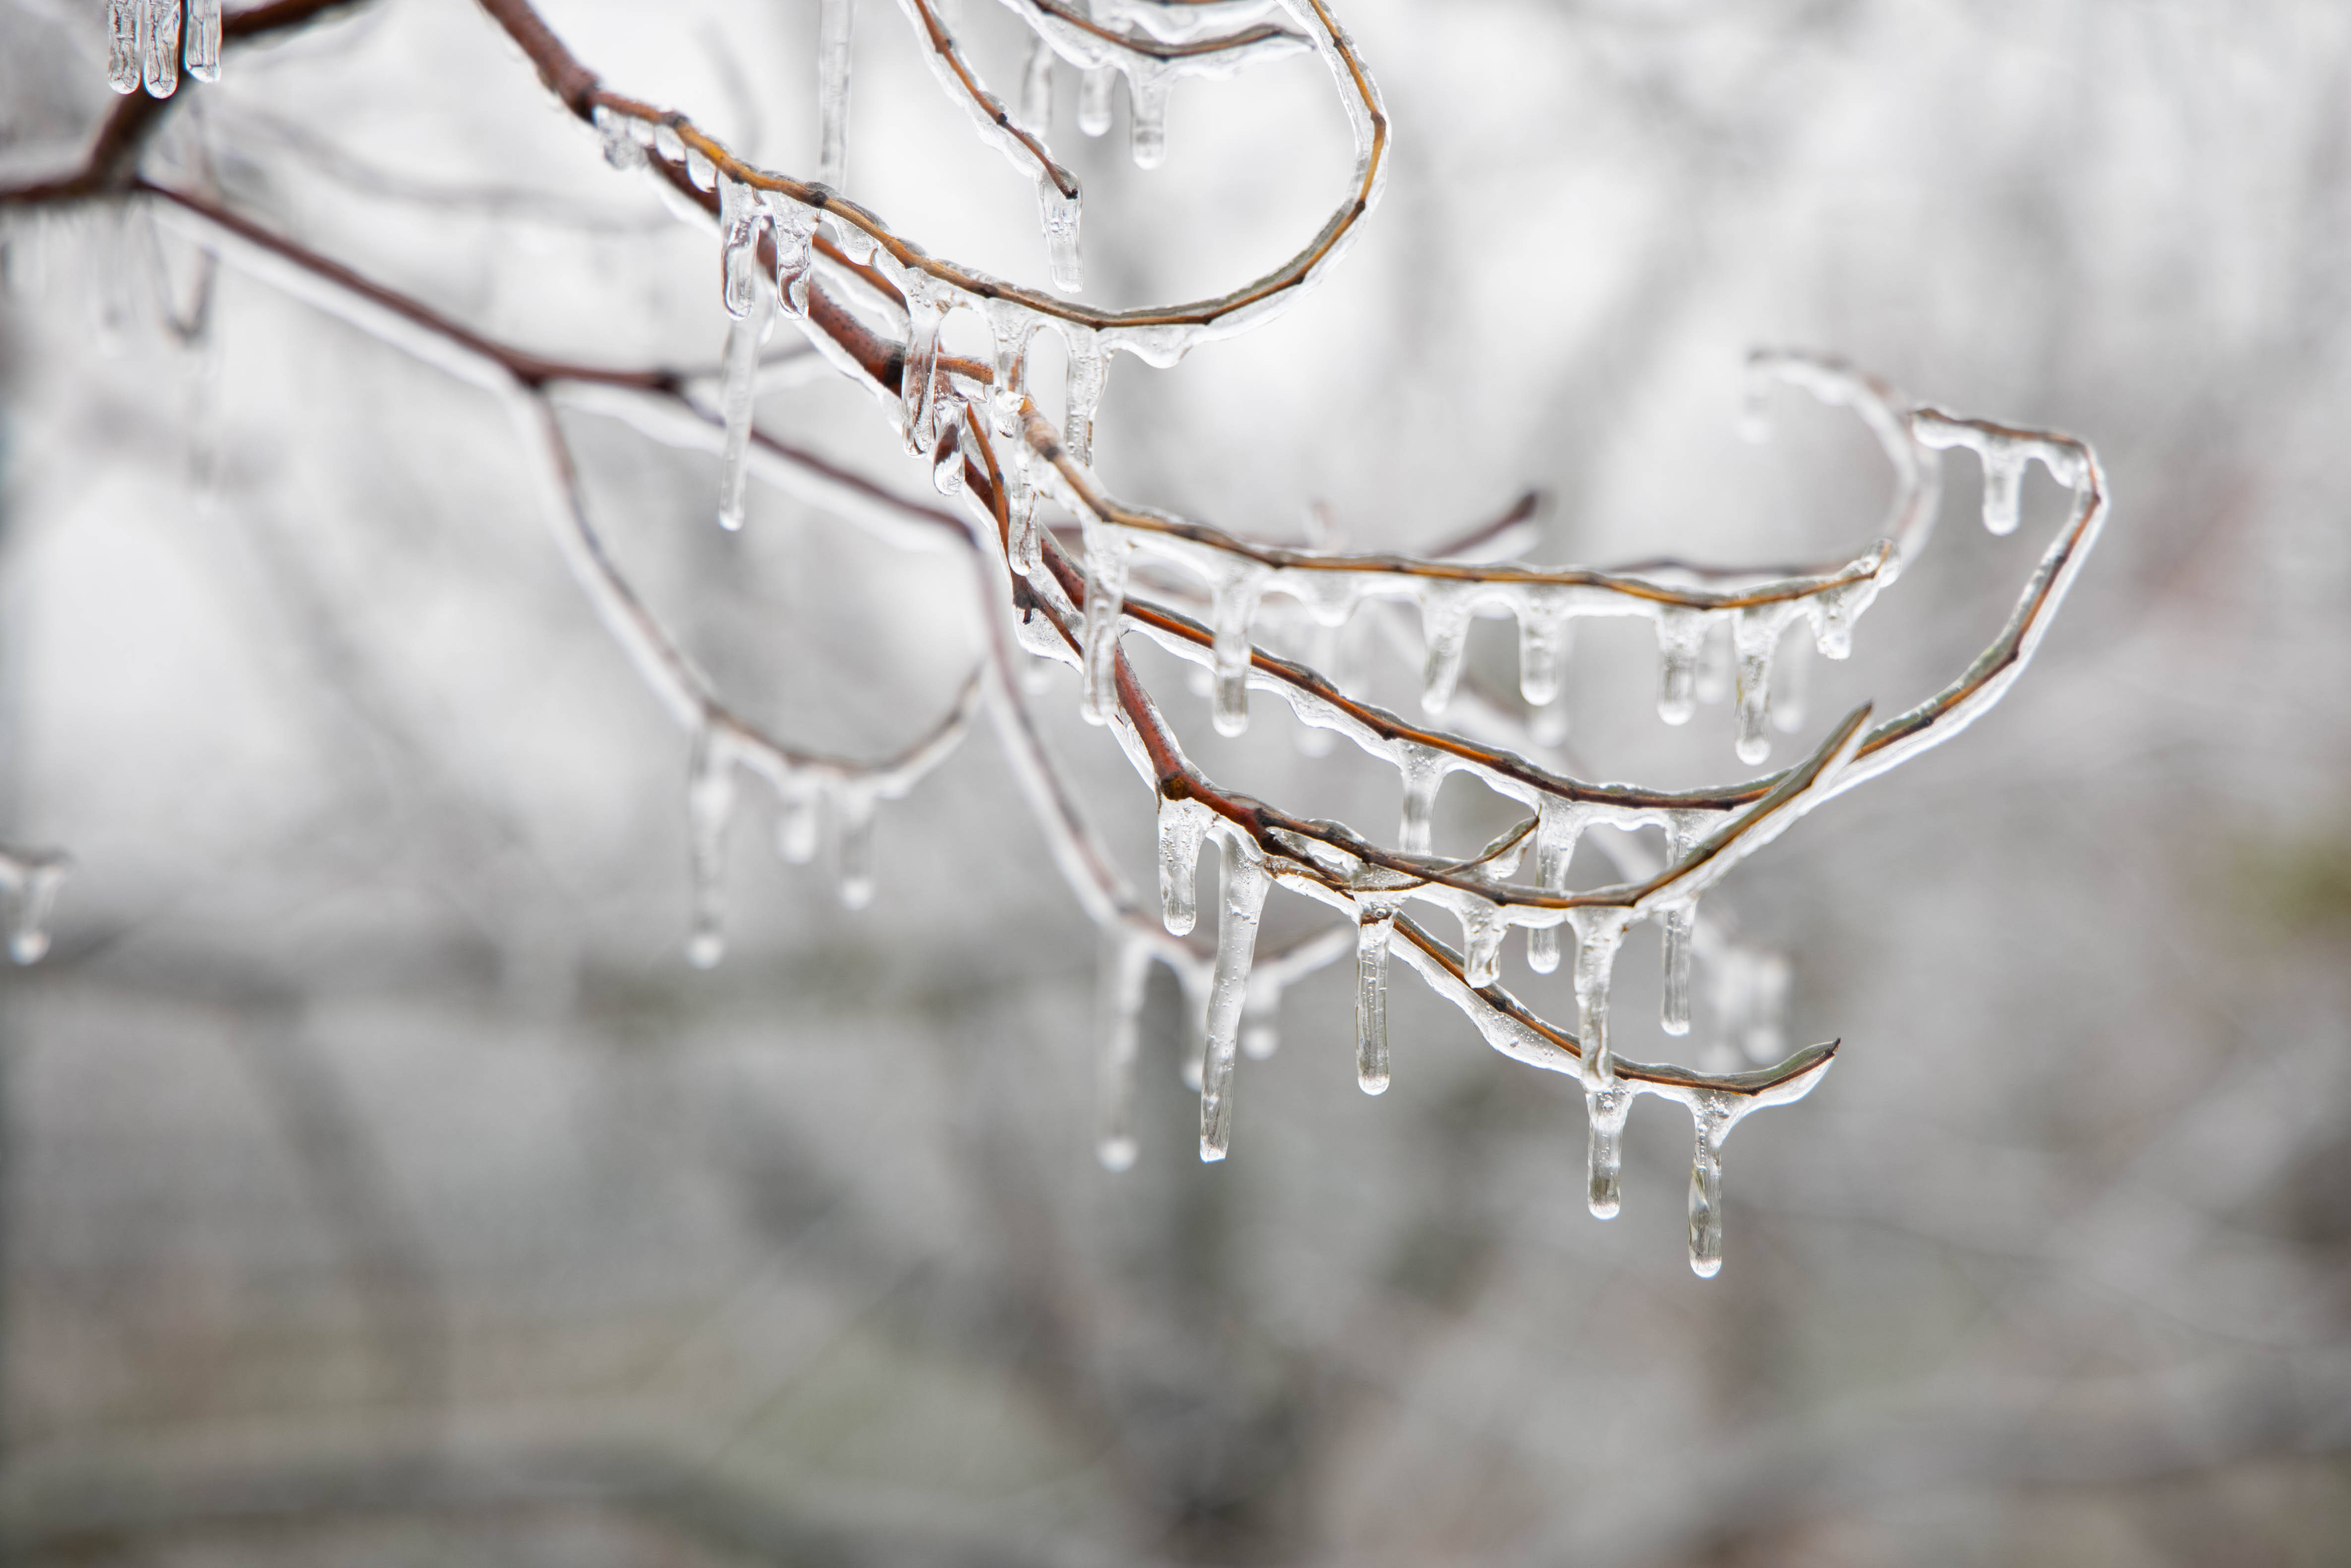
(855, 244)
(1680, 632)
(125, 49)
(622, 150)
(1181, 823)
(1683, 830)
(1712, 683)
(918, 377)
(1234, 603)
(1482, 930)
(1832, 610)
(668, 144)
(1061, 216)
(1106, 553)
(1545, 637)
(1791, 682)
(800, 820)
(853, 828)
(1374, 921)
(1146, 116)
(740, 213)
(1558, 825)
(740, 376)
(1424, 775)
(204, 46)
(1094, 100)
(1013, 332)
(1036, 89)
(709, 805)
(1126, 965)
(1599, 932)
(946, 454)
(2003, 480)
(793, 228)
(836, 22)
(1712, 1121)
(1754, 635)
(1607, 1109)
(1445, 629)
(1088, 371)
(1025, 545)
(700, 172)
(159, 38)
(1246, 883)
(31, 882)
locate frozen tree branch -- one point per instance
(798, 249)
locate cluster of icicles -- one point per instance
(144, 46)
(1717, 632)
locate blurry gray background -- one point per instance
(378, 1185)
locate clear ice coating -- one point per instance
(30, 878)
(700, 172)
(836, 23)
(1126, 965)
(1712, 1118)
(1245, 887)
(709, 807)
(1374, 921)
(126, 46)
(204, 43)
(1182, 825)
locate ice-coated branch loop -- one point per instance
(872, 304)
